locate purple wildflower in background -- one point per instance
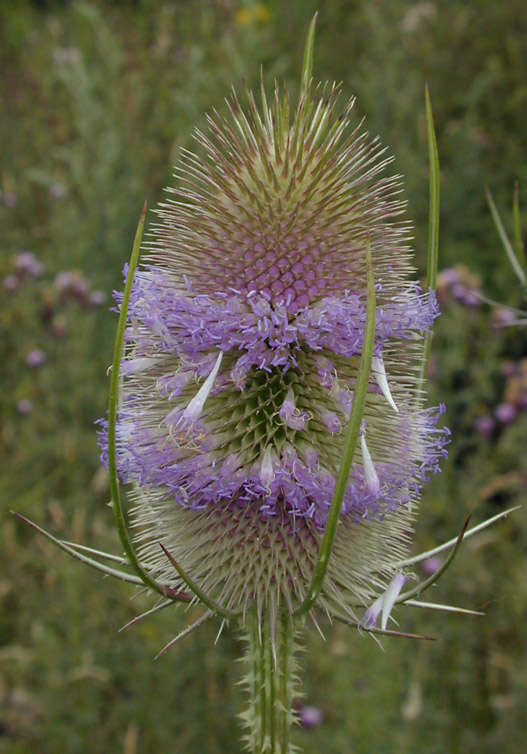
(64, 281)
(506, 413)
(509, 369)
(24, 407)
(26, 263)
(58, 190)
(10, 282)
(485, 425)
(71, 283)
(461, 285)
(244, 336)
(36, 358)
(431, 565)
(97, 298)
(9, 198)
(310, 716)
(502, 317)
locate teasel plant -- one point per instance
(267, 391)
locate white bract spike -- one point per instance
(290, 414)
(266, 469)
(288, 405)
(379, 372)
(140, 364)
(447, 608)
(384, 604)
(390, 595)
(195, 407)
(372, 480)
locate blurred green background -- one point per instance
(97, 98)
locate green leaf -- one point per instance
(434, 198)
(433, 229)
(350, 443)
(518, 237)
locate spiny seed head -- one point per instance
(244, 336)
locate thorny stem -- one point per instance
(271, 682)
(284, 700)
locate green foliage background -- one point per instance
(97, 98)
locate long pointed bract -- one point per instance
(122, 575)
(423, 585)
(199, 593)
(186, 631)
(446, 608)
(112, 421)
(383, 631)
(451, 542)
(433, 229)
(307, 63)
(139, 618)
(352, 436)
(93, 551)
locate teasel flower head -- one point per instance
(244, 335)
(267, 389)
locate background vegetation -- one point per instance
(97, 99)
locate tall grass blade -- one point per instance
(515, 264)
(518, 236)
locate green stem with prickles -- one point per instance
(271, 683)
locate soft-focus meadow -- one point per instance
(97, 98)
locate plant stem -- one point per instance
(271, 682)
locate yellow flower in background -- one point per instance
(256, 14)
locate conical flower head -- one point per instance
(244, 336)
